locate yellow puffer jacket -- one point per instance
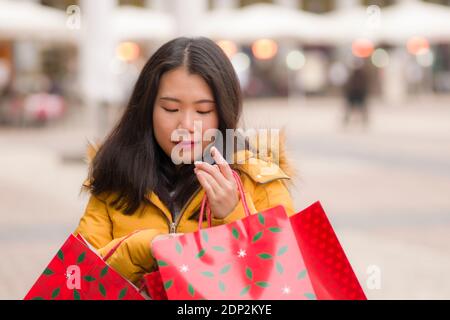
(265, 186)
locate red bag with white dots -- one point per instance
(264, 256)
(330, 271)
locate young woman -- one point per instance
(139, 192)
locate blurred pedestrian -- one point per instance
(356, 92)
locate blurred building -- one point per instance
(92, 63)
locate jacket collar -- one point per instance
(189, 210)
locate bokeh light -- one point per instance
(417, 45)
(264, 49)
(295, 60)
(229, 47)
(128, 51)
(240, 61)
(362, 48)
(425, 59)
(380, 58)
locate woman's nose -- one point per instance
(189, 121)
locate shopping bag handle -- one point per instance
(117, 245)
(205, 203)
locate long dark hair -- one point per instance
(130, 162)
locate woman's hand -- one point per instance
(219, 184)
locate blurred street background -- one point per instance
(361, 87)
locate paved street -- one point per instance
(385, 189)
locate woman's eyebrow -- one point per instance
(178, 100)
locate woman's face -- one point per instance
(183, 99)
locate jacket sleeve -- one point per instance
(133, 256)
(95, 225)
(272, 194)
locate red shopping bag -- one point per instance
(257, 257)
(330, 271)
(77, 273)
(153, 284)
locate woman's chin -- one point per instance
(186, 155)
(184, 158)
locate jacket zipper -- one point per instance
(174, 224)
(173, 227)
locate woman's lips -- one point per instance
(187, 144)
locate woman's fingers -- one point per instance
(221, 171)
(219, 184)
(208, 183)
(225, 169)
(212, 171)
(222, 164)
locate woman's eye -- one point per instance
(170, 110)
(204, 112)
